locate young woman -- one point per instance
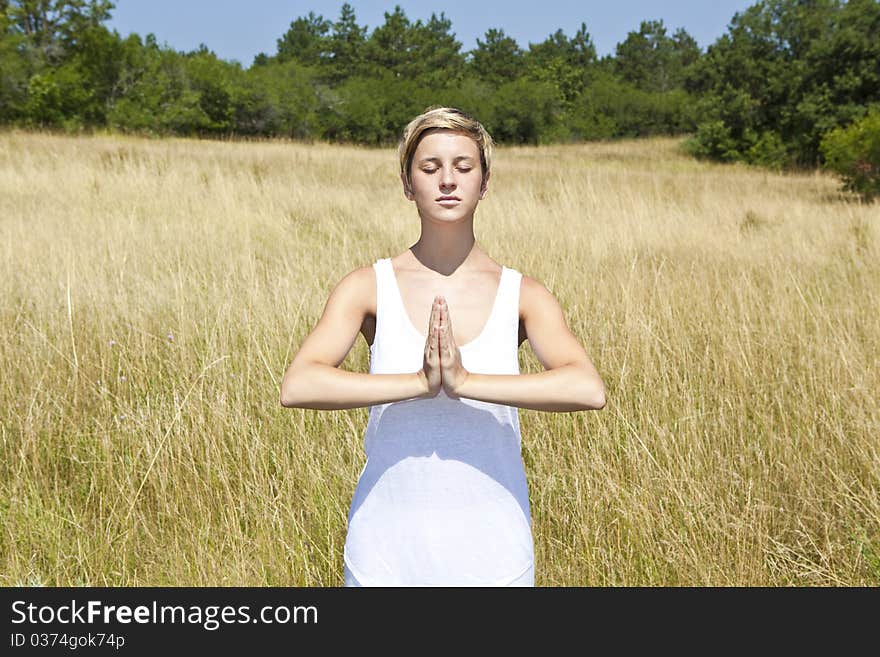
(442, 499)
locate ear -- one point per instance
(406, 189)
(485, 187)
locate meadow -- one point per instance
(154, 291)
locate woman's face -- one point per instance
(446, 176)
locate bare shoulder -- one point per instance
(358, 287)
(533, 295)
(353, 297)
(345, 314)
(543, 324)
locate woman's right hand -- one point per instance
(430, 372)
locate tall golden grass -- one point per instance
(154, 291)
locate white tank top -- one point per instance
(442, 499)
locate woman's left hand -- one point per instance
(452, 373)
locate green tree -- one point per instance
(277, 100)
(159, 96)
(427, 52)
(373, 110)
(611, 107)
(687, 51)
(841, 77)
(14, 71)
(498, 59)
(525, 112)
(786, 72)
(436, 55)
(100, 58)
(52, 27)
(390, 46)
(472, 95)
(577, 52)
(347, 46)
(305, 41)
(214, 81)
(563, 63)
(653, 61)
(54, 48)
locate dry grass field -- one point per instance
(152, 293)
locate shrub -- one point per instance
(768, 151)
(853, 153)
(713, 140)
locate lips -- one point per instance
(448, 198)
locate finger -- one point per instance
(444, 313)
(432, 334)
(434, 313)
(449, 341)
(444, 317)
(447, 322)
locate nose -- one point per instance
(447, 179)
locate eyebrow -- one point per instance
(437, 159)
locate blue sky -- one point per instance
(235, 29)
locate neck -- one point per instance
(445, 247)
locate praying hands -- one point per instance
(442, 366)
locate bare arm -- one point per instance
(570, 382)
(314, 380)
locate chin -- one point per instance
(447, 218)
(453, 215)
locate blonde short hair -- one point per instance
(446, 118)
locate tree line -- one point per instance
(785, 74)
